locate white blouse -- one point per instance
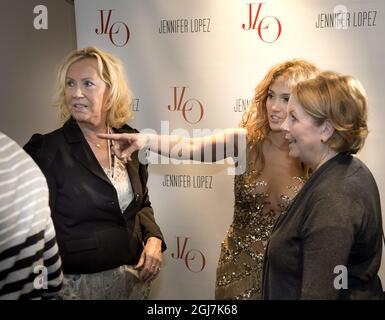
(121, 181)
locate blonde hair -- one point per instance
(110, 70)
(340, 99)
(255, 119)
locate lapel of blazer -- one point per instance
(81, 151)
(132, 166)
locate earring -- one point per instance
(322, 140)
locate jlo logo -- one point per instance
(194, 259)
(118, 32)
(263, 25)
(192, 109)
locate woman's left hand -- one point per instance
(150, 260)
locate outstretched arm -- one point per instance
(224, 144)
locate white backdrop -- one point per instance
(206, 55)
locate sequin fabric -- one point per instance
(239, 271)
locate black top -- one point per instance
(92, 233)
(334, 221)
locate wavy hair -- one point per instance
(110, 70)
(255, 119)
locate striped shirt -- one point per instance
(30, 265)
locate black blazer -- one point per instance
(92, 233)
(333, 223)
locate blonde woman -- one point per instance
(262, 191)
(110, 244)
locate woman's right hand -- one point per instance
(226, 143)
(125, 144)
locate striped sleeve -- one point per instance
(30, 265)
(52, 262)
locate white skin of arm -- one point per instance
(211, 148)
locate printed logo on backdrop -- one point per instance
(135, 105)
(191, 109)
(193, 259)
(186, 181)
(195, 25)
(116, 31)
(242, 105)
(268, 27)
(342, 18)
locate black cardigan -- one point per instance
(335, 220)
(92, 233)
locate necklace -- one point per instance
(96, 144)
(111, 156)
(110, 153)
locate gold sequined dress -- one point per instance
(239, 271)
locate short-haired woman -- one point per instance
(327, 245)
